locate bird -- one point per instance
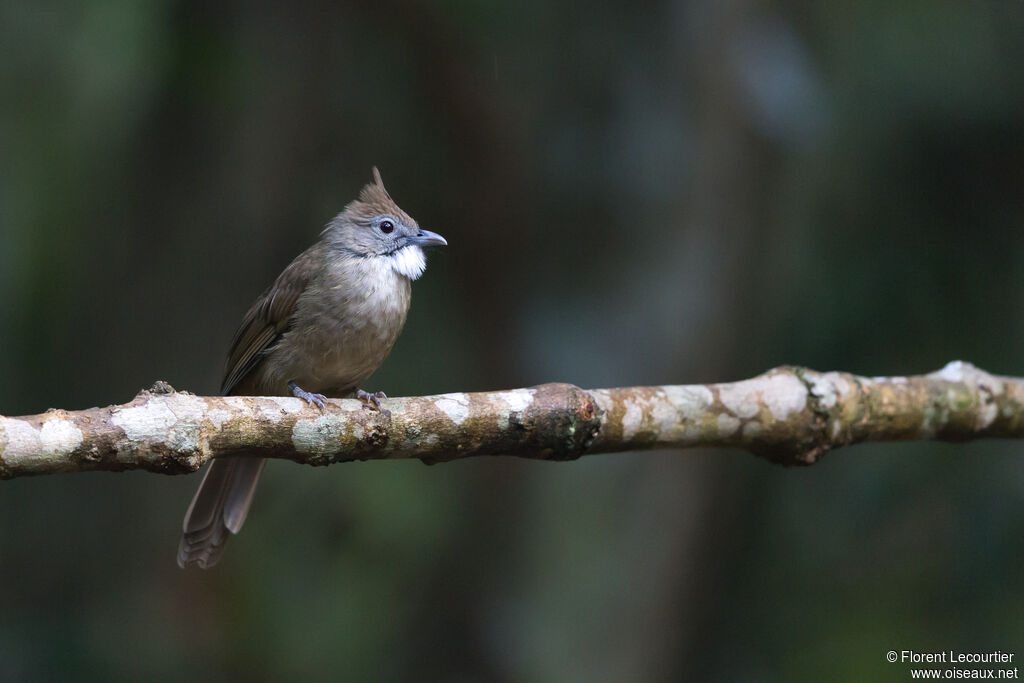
(321, 329)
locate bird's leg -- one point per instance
(372, 401)
(308, 397)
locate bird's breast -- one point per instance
(344, 328)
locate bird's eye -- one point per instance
(386, 226)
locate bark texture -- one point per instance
(789, 415)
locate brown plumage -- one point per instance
(328, 321)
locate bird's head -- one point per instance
(374, 226)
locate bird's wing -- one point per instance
(269, 317)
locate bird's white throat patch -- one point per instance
(409, 261)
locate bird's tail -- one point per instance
(220, 506)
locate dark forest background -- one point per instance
(634, 193)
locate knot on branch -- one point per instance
(159, 387)
(821, 408)
(562, 421)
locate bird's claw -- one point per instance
(372, 401)
(307, 396)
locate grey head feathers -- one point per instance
(374, 226)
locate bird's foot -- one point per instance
(372, 401)
(309, 397)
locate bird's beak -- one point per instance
(425, 238)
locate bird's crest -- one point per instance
(374, 200)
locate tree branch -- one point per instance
(790, 415)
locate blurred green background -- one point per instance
(634, 193)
